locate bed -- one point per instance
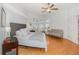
(28, 38)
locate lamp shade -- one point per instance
(7, 29)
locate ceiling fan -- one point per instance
(49, 8)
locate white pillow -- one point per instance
(24, 31)
(18, 33)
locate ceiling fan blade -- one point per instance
(51, 5)
(43, 8)
(54, 9)
(48, 3)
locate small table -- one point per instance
(10, 48)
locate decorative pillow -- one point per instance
(24, 31)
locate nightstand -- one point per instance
(10, 48)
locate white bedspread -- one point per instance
(33, 39)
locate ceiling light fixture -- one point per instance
(49, 8)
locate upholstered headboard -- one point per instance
(15, 27)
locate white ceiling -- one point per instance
(34, 9)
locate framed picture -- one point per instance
(3, 18)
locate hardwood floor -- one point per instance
(56, 46)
